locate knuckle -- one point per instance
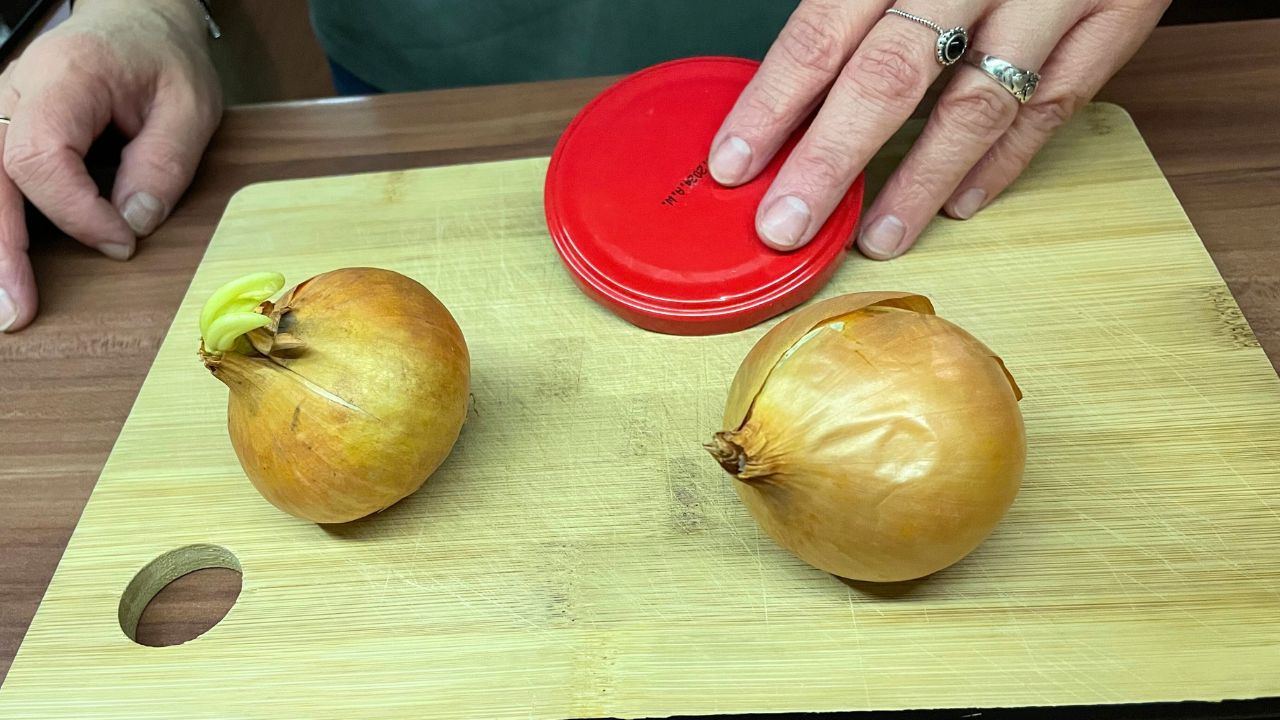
(764, 108)
(190, 107)
(57, 52)
(812, 41)
(984, 111)
(1051, 112)
(823, 166)
(907, 193)
(773, 103)
(200, 106)
(28, 164)
(887, 74)
(166, 161)
(210, 104)
(198, 98)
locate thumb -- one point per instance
(17, 281)
(158, 164)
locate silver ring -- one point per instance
(951, 43)
(5, 120)
(1020, 83)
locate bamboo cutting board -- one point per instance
(580, 555)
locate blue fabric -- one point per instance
(401, 45)
(346, 83)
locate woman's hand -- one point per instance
(140, 64)
(869, 70)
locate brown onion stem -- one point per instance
(729, 454)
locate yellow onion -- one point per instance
(345, 395)
(873, 439)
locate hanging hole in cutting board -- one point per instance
(157, 611)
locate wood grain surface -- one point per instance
(579, 556)
(67, 383)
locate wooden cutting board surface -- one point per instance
(580, 555)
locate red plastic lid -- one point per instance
(647, 232)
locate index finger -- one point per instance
(874, 94)
(52, 128)
(17, 282)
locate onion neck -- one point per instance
(728, 453)
(234, 369)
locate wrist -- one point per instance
(185, 17)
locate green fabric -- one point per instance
(418, 44)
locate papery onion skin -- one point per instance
(365, 398)
(884, 448)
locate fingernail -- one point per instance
(730, 160)
(8, 311)
(880, 239)
(116, 251)
(968, 203)
(143, 212)
(785, 222)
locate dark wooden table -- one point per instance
(1205, 97)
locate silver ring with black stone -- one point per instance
(951, 43)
